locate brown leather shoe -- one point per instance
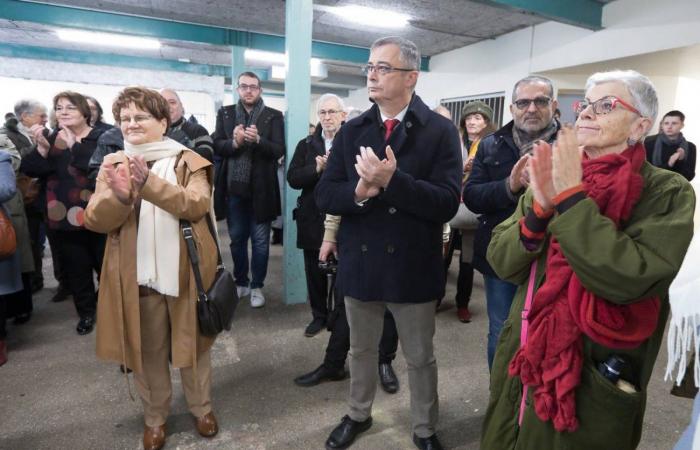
(207, 426)
(153, 437)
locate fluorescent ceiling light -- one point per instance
(380, 18)
(107, 39)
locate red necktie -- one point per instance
(389, 124)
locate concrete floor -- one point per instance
(54, 393)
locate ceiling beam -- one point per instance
(111, 59)
(278, 86)
(110, 22)
(580, 13)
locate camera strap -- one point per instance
(523, 329)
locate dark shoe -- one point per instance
(153, 437)
(124, 370)
(277, 236)
(320, 375)
(22, 318)
(344, 434)
(315, 327)
(37, 284)
(207, 426)
(85, 325)
(429, 443)
(60, 295)
(464, 315)
(3, 352)
(387, 378)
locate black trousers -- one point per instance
(17, 303)
(339, 341)
(34, 221)
(316, 285)
(56, 258)
(80, 254)
(465, 278)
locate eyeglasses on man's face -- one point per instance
(540, 102)
(248, 87)
(327, 112)
(382, 69)
(604, 105)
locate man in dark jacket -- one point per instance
(669, 149)
(497, 180)
(393, 176)
(198, 136)
(249, 137)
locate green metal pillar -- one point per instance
(237, 67)
(297, 88)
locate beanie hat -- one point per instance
(478, 107)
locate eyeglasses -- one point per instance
(382, 69)
(330, 112)
(69, 108)
(139, 119)
(540, 102)
(248, 87)
(604, 105)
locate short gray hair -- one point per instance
(533, 79)
(27, 106)
(408, 52)
(322, 99)
(642, 90)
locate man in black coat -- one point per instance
(249, 137)
(198, 138)
(497, 180)
(394, 177)
(305, 169)
(669, 149)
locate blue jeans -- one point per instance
(688, 436)
(499, 297)
(242, 227)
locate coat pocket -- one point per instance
(609, 418)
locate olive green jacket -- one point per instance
(635, 262)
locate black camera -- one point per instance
(330, 266)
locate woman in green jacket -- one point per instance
(599, 237)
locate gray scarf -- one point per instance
(241, 165)
(524, 141)
(661, 140)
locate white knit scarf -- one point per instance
(158, 237)
(684, 327)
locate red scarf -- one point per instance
(562, 309)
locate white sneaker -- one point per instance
(242, 291)
(257, 299)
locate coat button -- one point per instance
(390, 249)
(392, 210)
(363, 247)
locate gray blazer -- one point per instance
(10, 268)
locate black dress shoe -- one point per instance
(344, 434)
(320, 375)
(60, 295)
(315, 327)
(85, 325)
(388, 379)
(429, 443)
(21, 319)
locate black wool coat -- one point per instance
(264, 184)
(390, 249)
(301, 174)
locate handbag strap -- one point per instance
(186, 228)
(524, 328)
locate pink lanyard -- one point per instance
(523, 330)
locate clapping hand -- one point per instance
(42, 145)
(540, 170)
(117, 178)
(321, 162)
(374, 173)
(250, 134)
(567, 171)
(139, 171)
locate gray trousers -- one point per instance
(415, 323)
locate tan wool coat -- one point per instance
(118, 314)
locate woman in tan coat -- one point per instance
(147, 301)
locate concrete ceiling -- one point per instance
(436, 26)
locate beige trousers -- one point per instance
(153, 385)
(415, 323)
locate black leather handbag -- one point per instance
(216, 305)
